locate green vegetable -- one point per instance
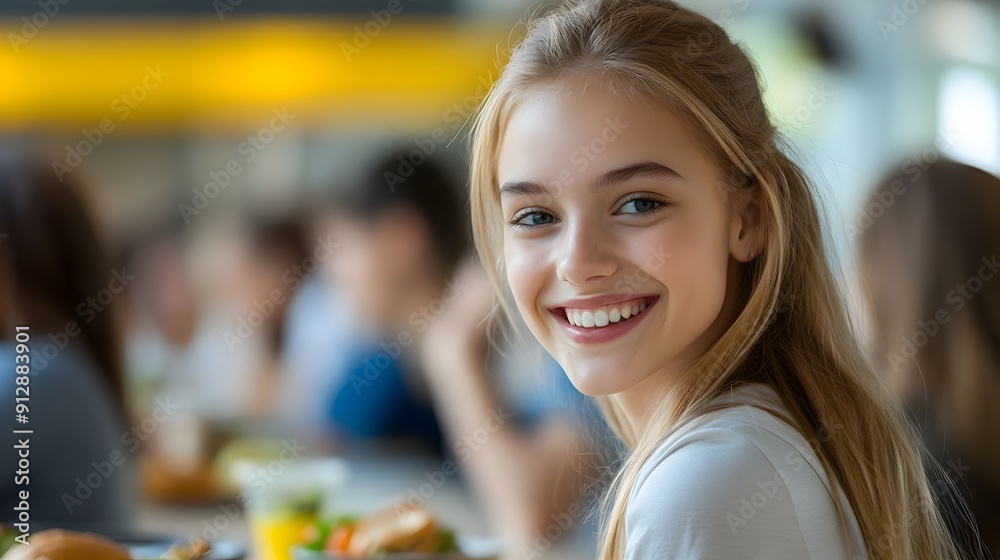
(448, 541)
(6, 539)
(323, 528)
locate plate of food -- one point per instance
(397, 532)
(61, 544)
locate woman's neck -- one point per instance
(639, 403)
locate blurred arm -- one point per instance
(527, 478)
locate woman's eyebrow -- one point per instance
(522, 188)
(644, 168)
(619, 175)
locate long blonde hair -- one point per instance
(793, 332)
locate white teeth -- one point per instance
(601, 318)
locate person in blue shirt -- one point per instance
(399, 235)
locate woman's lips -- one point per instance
(590, 333)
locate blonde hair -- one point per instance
(793, 332)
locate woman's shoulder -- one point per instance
(746, 431)
(734, 483)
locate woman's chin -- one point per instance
(599, 383)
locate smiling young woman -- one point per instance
(674, 266)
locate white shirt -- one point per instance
(738, 483)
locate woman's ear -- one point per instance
(746, 232)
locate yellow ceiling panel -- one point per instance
(180, 72)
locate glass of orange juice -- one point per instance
(281, 506)
(275, 534)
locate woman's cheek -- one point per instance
(687, 255)
(655, 251)
(526, 274)
(703, 272)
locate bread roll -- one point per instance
(396, 529)
(57, 544)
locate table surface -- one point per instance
(373, 483)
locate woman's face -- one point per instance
(619, 236)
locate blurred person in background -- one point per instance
(55, 279)
(398, 247)
(163, 311)
(235, 357)
(314, 346)
(929, 265)
(226, 369)
(423, 367)
(275, 250)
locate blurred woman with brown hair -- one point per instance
(929, 262)
(54, 279)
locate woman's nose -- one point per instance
(585, 255)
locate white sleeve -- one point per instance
(714, 494)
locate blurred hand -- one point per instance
(459, 337)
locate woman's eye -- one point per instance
(533, 219)
(640, 206)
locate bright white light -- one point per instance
(969, 112)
